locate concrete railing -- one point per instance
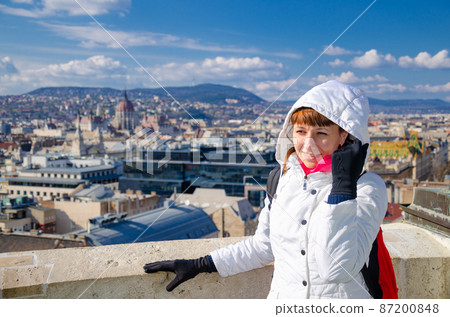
(420, 258)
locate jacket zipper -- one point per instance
(304, 182)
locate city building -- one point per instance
(50, 177)
(35, 240)
(91, 123)
(400, 159)
(96, 200)
(5, 127)
(393, 213)
(401, 191)
(4, 186)
(171, 222)
(206, 166)
(125, 118)
(14, 214)
(78, 146)
(233, 216)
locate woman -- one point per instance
(325, 214)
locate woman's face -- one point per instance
(312, 143)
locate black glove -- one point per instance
(347, 164)
(184, 269)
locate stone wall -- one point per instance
(420, 258)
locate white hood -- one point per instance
(343, 104)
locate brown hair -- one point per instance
(310, 117)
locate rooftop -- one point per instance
(69, 170)
(173, 223)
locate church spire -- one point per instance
(78, 146)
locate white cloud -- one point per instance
(425, 60)
(382, 88)
(336, 50)
(46, 8)
(372, 59)
(336, 63)
(272, 89)
(347, 77)
(220, 69)
(435, 88)
(93, 66)
(91, 36)
(7, 66)
(23, 1)
(93, 71)
(274, 85)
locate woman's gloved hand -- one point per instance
(347, 165)
(184, 269)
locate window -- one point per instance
(18, 192)
(45, 193)
(12, 192)
(24, 192)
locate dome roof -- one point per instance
(125, 105)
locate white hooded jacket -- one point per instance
(318, 249)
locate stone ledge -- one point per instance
(116, 271)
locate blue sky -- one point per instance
(396, 49)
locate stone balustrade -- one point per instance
(420, 259)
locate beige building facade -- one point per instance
(233, 216)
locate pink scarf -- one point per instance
(324, 166)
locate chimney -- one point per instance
(137, 203)
(166, 203)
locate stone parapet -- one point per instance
(420, 258)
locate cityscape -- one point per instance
(82, 164)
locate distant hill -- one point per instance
(409, 105)
(208, 93)
(221, 94)
(402, 105)
(74, 91)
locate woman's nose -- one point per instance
(308, 142)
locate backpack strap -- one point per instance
(379, 275)
(272, 183)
